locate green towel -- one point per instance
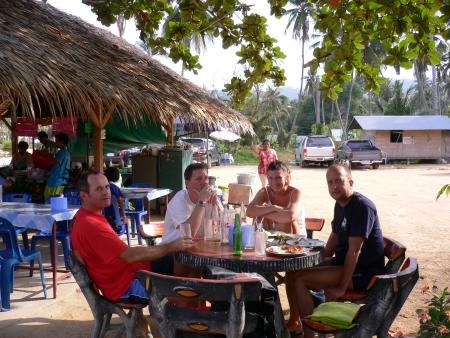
(340, 315)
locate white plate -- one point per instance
(279, 251)
(305, 242)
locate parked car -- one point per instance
(315, 149)
(199, 145)
(362, 152)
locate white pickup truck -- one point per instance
(362, 152)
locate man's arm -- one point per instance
(351, 258)
(195, 219)
(256, 208)
(330, 247)
(152, 253)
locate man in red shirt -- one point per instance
(109, 261)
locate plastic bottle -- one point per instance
(260, 241)
(237, 236)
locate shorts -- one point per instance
(361, 281)
(136, 293)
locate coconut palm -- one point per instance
(299, 21)
(313, 88)
(197, 39)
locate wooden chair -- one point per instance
(103, 309)
(383, 303)
(395, 254)
(200, 322)
(313, 224)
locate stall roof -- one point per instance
(53, 63)
(429, 122)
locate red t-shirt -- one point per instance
(99, 246)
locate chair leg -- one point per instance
(66, 248)
(127, 229)
(33, 248)
(41, 271)
(6, 290)
(25, 240)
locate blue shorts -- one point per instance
(136, 293)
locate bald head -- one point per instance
(340, 183)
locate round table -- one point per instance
(216, 254)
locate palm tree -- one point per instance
(313, 89)
(197, 39)
(299, 20)
(399, 103)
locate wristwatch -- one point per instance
(201, 203)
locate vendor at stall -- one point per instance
(47, 146)
(59, 173)
(22, 159)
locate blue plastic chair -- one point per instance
(121, 228)
(138, 212)
(11, 256)
(62, 235)
(72, 195)
(20, 198)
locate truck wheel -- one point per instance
(330, 163)
(375, 166)
(303, 164)
(297, 163)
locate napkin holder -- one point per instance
(58, 204)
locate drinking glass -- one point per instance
(185, 229)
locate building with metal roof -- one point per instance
(408, 137)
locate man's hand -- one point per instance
(205, 194)
(333, 293)
(179, 245)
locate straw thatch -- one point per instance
(52, 63)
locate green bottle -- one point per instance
(237, 236)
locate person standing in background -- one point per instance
(22, 159)
(266, 156)
(59, 174)
(47, 146)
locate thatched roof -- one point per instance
(53, 63)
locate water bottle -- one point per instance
(260, 241)
(237, 236)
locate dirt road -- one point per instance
(404, 196)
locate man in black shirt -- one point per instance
(354, 252)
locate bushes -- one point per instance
(6, 145)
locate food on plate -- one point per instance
(286, 250)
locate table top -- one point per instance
(149, 193)
(214, 253)
(35, 216)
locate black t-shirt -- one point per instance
(359, 218)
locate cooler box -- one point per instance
(172, 163)
(239, 193)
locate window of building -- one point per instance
(396, 136)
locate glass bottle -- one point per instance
(260, 241)
(237, 236)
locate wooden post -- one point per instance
(169, 141)
(99, 120)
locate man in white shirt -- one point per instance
(188, 206)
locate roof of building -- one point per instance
(429, 122)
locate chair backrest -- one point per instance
(395, 253)
(8, 232)
(72, 195)
(385, 299)
(232, 323)
(18, 197)
(115, 205)
(313, 224)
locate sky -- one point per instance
(220, 65)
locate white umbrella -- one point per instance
(224, 135)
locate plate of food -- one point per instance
(305, 242)
(286, 250)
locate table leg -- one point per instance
(148, 211)
(281, 329)
(53, 258)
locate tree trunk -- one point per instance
(300, 93)
(317, 104)
(436, 109)
(419, 72)
(121, 23)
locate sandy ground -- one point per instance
(405, 198)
